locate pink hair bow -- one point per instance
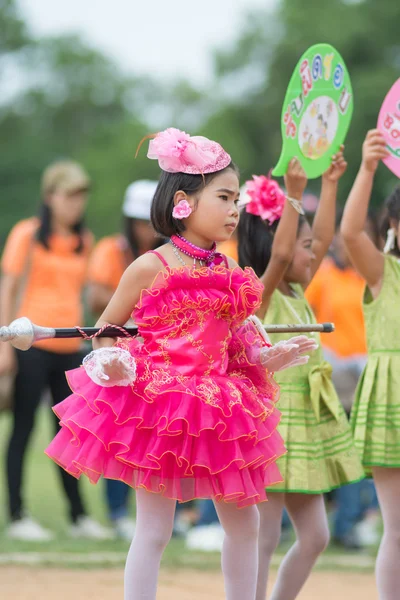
(266, 198)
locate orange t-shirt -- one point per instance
(52, 291)
(336, 296)
(229, 248)
(109, 260)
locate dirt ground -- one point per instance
(27, 583)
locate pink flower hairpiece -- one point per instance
(178, 152)
(266, 198)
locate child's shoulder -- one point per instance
(144, 270)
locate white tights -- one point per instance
(387, 483)
(308, 515)
(154, 523)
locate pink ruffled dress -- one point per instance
(200, 419)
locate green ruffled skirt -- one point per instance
(321, 454)
(375, 418)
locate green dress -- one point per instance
(321, 453)
(375, 417)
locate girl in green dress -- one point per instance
(375, 417)
(286, 253)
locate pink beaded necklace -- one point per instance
(210, 258)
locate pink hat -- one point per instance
(178, 152)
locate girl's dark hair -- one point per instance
(129, 233)
(163, 201)
(255, 238)
(372, 220)
(391, 212)
(44, 230)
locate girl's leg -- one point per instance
(308, 515)
(270, 532)
(240, 550)
(387, 483)
(154, 523)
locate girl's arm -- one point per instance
(366, 258)
(137, 277)
(285, 235)
(323, 228)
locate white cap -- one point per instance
(138, 198)
(244, 197)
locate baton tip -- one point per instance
(328, 327)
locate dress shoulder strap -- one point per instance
(159, 256)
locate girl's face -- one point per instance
(68, 208)
(299, 270)
(216, 215)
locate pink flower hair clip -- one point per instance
(178, 152)
(266, 198)
(182, 210)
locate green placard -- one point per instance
(317, 111)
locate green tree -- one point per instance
(13, 31)
(74, 94)
(268, 49)
(109, 155)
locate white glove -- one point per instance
(287, 353)
(110, 367)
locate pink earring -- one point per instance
(182, 210)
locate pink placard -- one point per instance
(389, 125)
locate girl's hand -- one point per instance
(337, 168)
(374, 149)
(287, 353)
(295, 179)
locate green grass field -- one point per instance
(45, 502)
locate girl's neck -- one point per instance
(61, 229)
(197, 240)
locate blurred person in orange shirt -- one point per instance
(43, 273)
(111, 256)
(335, 295)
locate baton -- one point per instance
(22, 333)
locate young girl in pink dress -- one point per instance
(186, 410)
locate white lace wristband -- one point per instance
(100, 364)
(260, 328)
